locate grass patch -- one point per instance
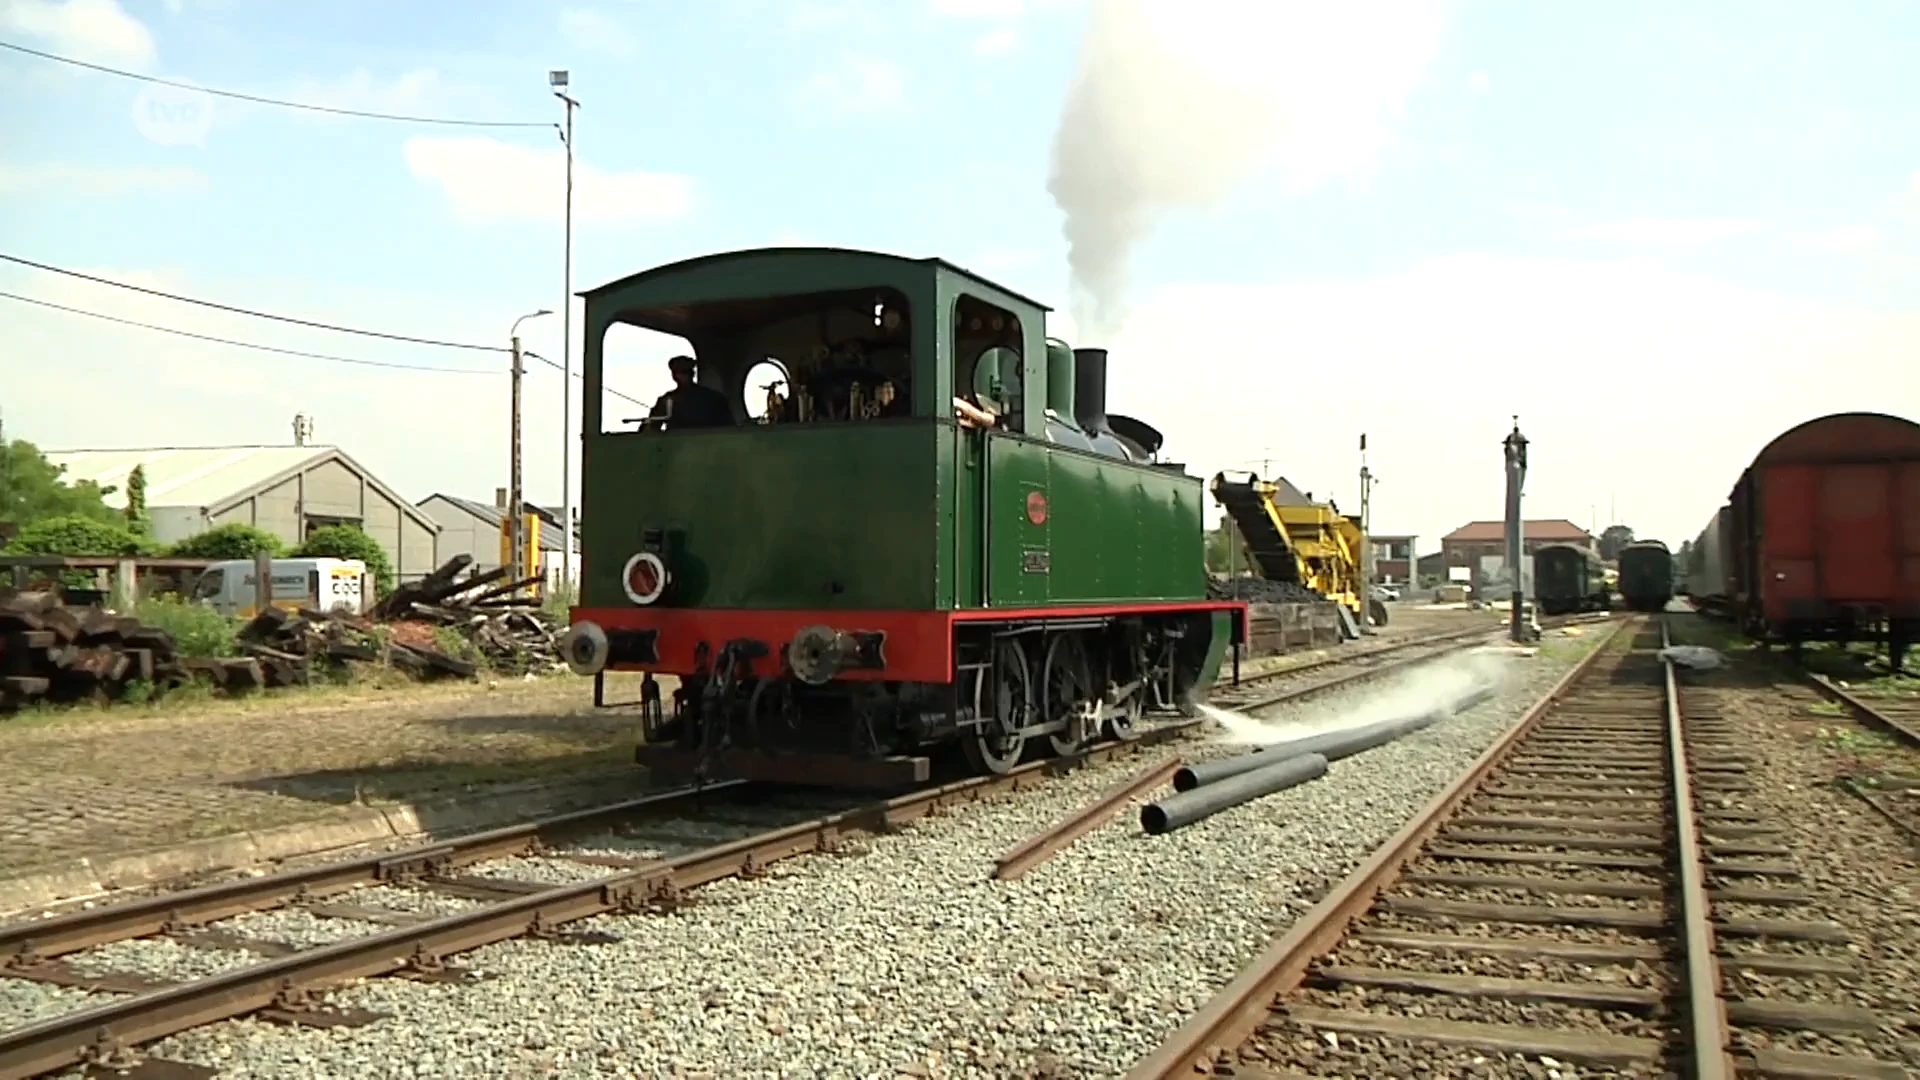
(1827, 708)
(198, 631)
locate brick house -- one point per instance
(1466, 545)
(1392, 555)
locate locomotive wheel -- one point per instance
(1066, 688)
(1007, 705)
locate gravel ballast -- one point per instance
(899, 956)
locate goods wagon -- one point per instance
(1820, 538)
(1646, 575)
(932, 535)
(1567, 578)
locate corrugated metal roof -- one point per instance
(549, 522)
(211, 478)
(187, 476)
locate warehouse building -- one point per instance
(289, 491)
(471, 527)
(1470, 543)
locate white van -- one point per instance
(321, 584)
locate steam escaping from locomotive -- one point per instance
(1445, 684)
(1173, 105)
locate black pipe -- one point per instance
(1333, 745)
(1090, 389)
(1175, 811)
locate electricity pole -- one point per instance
(558, 80)
(1366, 534)
(516, 500)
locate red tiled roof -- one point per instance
(1494, 531)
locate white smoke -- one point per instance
(1176, 104)
(1444, 683)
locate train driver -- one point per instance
(689, 404)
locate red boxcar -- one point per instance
(1822, 536)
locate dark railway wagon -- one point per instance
(874, 568)
(1646, 575)
(1820, 538)
(1568, 578)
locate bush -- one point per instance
(235, 541)
(74, 534)
(198, 630)
(349, 542)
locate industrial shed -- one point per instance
(287, 490)
(471, 527)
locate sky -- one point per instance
(1660, 234)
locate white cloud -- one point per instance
(594, 31)
(997, 42)
(1844, 239)
(99, 31)
(1479, 82)
(64, 178)
(487, 180)
(1653, 232)
(360, 90)
(859, 85)
(996, 9)
(1631, 380)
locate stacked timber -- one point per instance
(52, 652)
(490, 621)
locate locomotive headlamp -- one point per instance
(644, 578)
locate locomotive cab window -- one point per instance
(987, 364)
(821, 358)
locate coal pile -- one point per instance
(1261, 591)
(52, 652)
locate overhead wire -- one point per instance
(248, 344)
(251, 312)
(331, 357)
(441, 121)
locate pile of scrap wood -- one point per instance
(488, 615)
(52, 652)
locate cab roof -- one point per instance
(669, 292)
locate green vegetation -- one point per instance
(79, 534)
(197, 630)
(349, 542)
(31, 489)
(137, 522)
(236, 541)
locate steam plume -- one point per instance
(1176, 103)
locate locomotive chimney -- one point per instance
(1090, 389)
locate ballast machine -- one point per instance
(1293, 540)
(919, 529)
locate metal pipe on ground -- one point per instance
(1332, 745)
(1184, 809)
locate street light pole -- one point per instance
(516, 500)
(558, 80)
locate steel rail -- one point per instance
(33, 939)
(1239, 1008)
(101, 1031)
(1706, 1014)
(1865, 709)
(1048, 842)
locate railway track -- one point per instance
(409, 913)
(1582, 897)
